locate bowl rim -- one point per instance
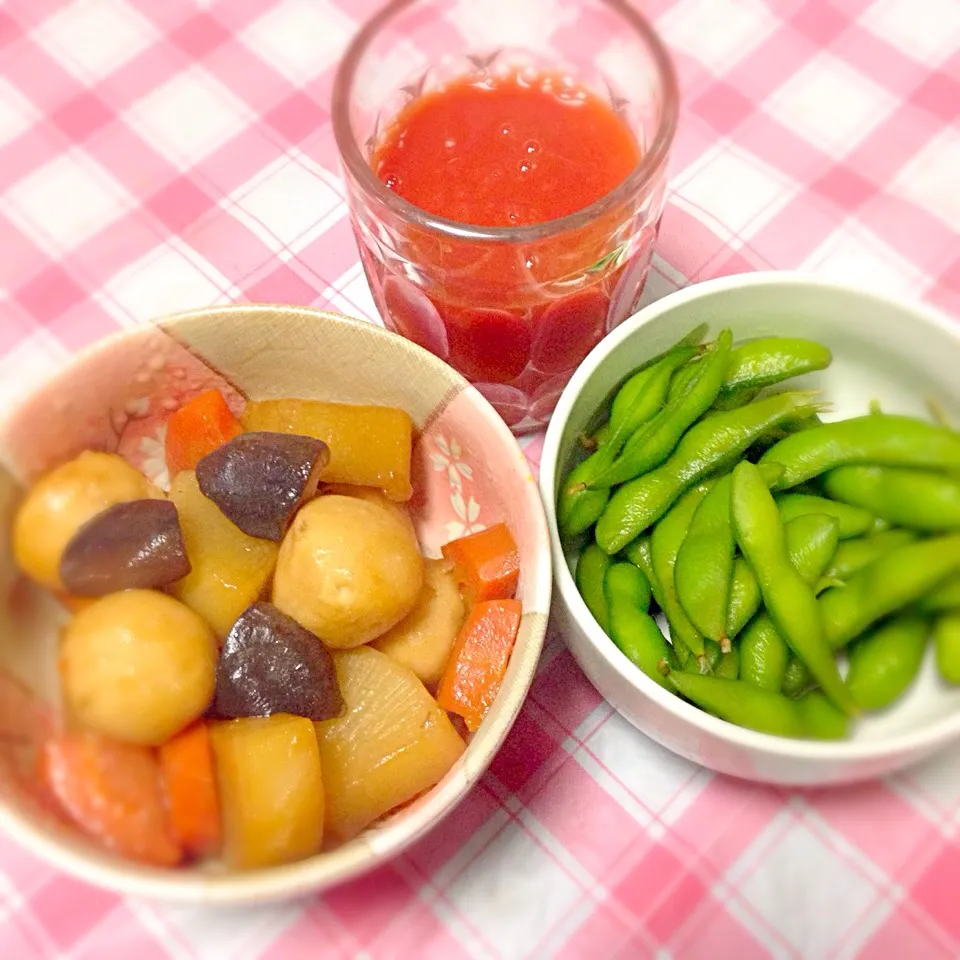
(370, 850)
(928, 738)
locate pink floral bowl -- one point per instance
(468, 473)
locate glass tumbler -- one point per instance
(514, 309)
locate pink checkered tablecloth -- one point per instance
(163, 154)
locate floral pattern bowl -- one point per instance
(468, 473)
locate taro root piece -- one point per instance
(260, 480)
(136, 545)
(270, 664)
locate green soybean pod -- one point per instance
(762, 362)
(705, 563)
(854, 555)
(811, 542)
(797, 679)
(715, 442)
(854, 521)
(591, 570)
(917, 499)
(820, 719)
(884, 662)
(943, 598)
(652, 443)
(704, 567)
(946, 643)
(632, 629)
(643, 395)
(578, 504)
(884, 439)
(763, 654)
(788, 599)
(640, 553)
(896, 580)
(708, 663)
(728, 666)
(812, 717)
(665, 542)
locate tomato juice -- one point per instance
(506, 152)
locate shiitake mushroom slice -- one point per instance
(270, 664)
(260, 480)
(137, 545)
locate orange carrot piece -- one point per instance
(186, 764)
(472, 678)
(198, 428)
(487, 564)
(112, 791)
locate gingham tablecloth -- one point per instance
(161, 154)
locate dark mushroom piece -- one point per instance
(260, 480)
(136, 545)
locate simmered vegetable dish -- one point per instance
(801, 566)
(261, 663)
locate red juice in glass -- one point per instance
(505, 209)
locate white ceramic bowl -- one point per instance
(467, 470)
(898, 353)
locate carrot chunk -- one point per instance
(199, 427)
(189, 781)
(472, 678)
(112, 791)
(487, 564)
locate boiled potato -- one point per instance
(61, 502)
(271, 789)
(424, 638)
(391, 745)
(138, 667)
(348, 571)
(369, 445)
(372, 495)
(230, 569)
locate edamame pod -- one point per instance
(884, 439)
(896, 580)
(946, 643)
(886, 661)
(757, 709)
(918, 499)
(797, 679)
(944, 598)
(642, 396)
(632, 629)
(665, 542)
(704, 565)
(578, 506)
(591, 570)
(712, 654)
(811, 542)
(789, 600)
(640, 553)
(854, 555)
(728, 665)
(652, 443)
(763, 654)
(763, 362)
(710, 445)
(854, 521)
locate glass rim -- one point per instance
(641, 175)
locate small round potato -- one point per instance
(138, 666)
(61, 502)
(348, 570)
